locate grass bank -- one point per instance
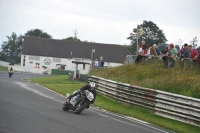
(175, 80)
(62, 85)
(3, 68)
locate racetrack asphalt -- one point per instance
(29, 108)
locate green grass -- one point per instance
(145, 115)
(64, 88)
(3, 68)
(175, 80)
(62, 85)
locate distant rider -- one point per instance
(10, 71)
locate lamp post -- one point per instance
(139, 32)
(93, 51)
(136, 52)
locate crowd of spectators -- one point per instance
(169, 55)
(97, 64)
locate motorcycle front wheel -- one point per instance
(80, 107)
(65, 106)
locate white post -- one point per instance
(93, 51)
(91, 61)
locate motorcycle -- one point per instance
(10, 74)
(78, 102)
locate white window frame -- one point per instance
(58, 60)
(34, 58)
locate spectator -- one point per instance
(186, 52)
(144, 47)
(102, 63)
(173, 55)
(194, 54)
(96, 63)
(148, 50)
(140, 51)
(155, 48)
(125, 62)
(164, 55)
(99, 65)
(148, 53)
(179, 51)
(140, 54)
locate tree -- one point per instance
(151, 34)
(194, 42)
(130, 48)
(11, 49)
(37, 33)
(72, 39)
(75, 38)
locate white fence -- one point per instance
(181, 108)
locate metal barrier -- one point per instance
(83, 77)
(71, 76)
(178, 107)
(61, 72)
(130, 58)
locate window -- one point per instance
(56, 59)
(78, 59)
(30, 57)
(35, 58)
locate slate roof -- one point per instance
(63, 49)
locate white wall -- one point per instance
(64, 61)
(112, 64)
(3, 63)
(21, 68)
(25, 69)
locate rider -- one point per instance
(90, 87)
(10, 71)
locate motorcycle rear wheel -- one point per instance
(80, 107)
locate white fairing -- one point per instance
(89, 95)
(73, 100)
(67, 95)
(75, 92)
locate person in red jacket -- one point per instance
(194, 54)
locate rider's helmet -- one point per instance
(92, 84)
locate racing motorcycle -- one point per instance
(10, 74)
(78, 102)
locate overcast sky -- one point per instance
(102, 21)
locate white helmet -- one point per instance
(92, 84)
